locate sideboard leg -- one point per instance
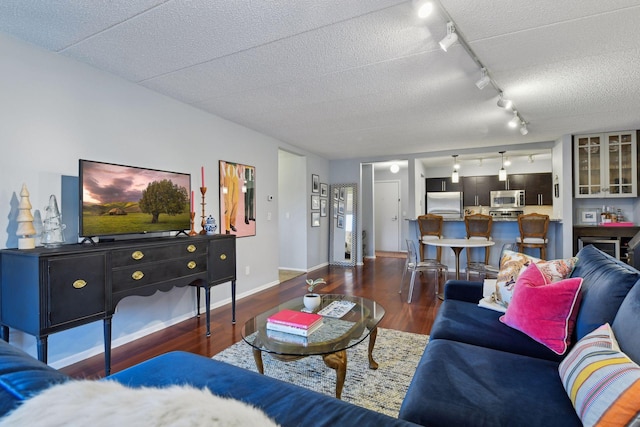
(197, 301)
(207, 295)
(42, 348)
(107, 345)
(233, 302)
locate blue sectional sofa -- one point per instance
(474, 371)
(479, 371)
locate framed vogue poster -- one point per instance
(237, 199)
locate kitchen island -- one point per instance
(503, 231)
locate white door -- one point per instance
(387, 215)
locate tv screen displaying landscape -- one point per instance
(119, 199)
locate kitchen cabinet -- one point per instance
(442, 184)
(605, 165)
(538, 189)
(477, 189)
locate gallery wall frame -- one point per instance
(237, 198)
(324, 189)
(315, 202)
(315, 183)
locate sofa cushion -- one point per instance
(625, 325)
(285, 403)
(467, 322)
(601, 381)
(22, 376)
(544, 311)
(458, 384)
(606, 282)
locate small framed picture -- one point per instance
(589, 216)
(335, 209)
(315, 183)
(340, 221)
(323, 207)
(315, 202)
(336, 194)
(341, 207)
(315, 219)
(341, 193)
(324, 188)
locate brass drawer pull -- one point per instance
(223, 256)
(79, 284)
(191, 248)
(191, 265)
(137, 275)
(137, 255)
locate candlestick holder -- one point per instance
(193, 231)
(203, 191)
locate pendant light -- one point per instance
(502, 174)
(455, 176)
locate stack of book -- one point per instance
(294, 322)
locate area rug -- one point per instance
(381, 390)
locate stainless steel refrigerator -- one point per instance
(447, 203)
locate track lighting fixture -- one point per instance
(502, 173)
(450, 38)
(530, 158)
(455, 176)
(423, 8)
(504, 103)
(484, 79)
(394, 168)
(515, 121)
(523, 128)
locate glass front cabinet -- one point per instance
(606, 165)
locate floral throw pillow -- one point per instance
(513, 264)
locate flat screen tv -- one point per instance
(118, 199)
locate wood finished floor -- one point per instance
(377, 279)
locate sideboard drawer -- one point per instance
(138, 276)
(148, 254)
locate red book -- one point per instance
(296, 319)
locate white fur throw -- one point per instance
(108, 403)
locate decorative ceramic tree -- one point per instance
(25, 231)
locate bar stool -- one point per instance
(430, 227)
(533, 232)
(478, 227)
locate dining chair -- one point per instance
(413, 265)
(533, 232)
(430, 227)
(478, 227)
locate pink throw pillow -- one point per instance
(544, 311)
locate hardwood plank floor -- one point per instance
(377, 279)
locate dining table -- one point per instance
(457, 245)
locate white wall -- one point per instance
(55, 111)
(293, 216)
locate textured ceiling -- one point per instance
(363, 78)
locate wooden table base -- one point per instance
(336, 361)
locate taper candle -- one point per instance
(192, 198)
(202, 174)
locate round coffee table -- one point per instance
(331, 341)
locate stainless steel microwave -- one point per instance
(507, 199)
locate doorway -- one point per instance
(387, 216)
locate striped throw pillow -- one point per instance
(601, 381)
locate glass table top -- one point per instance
(334, 335)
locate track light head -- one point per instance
(484, 80)
(394, 168)
(523, 129)
(450, 38)
(504, 103)
(515, 121)
(423, 8)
